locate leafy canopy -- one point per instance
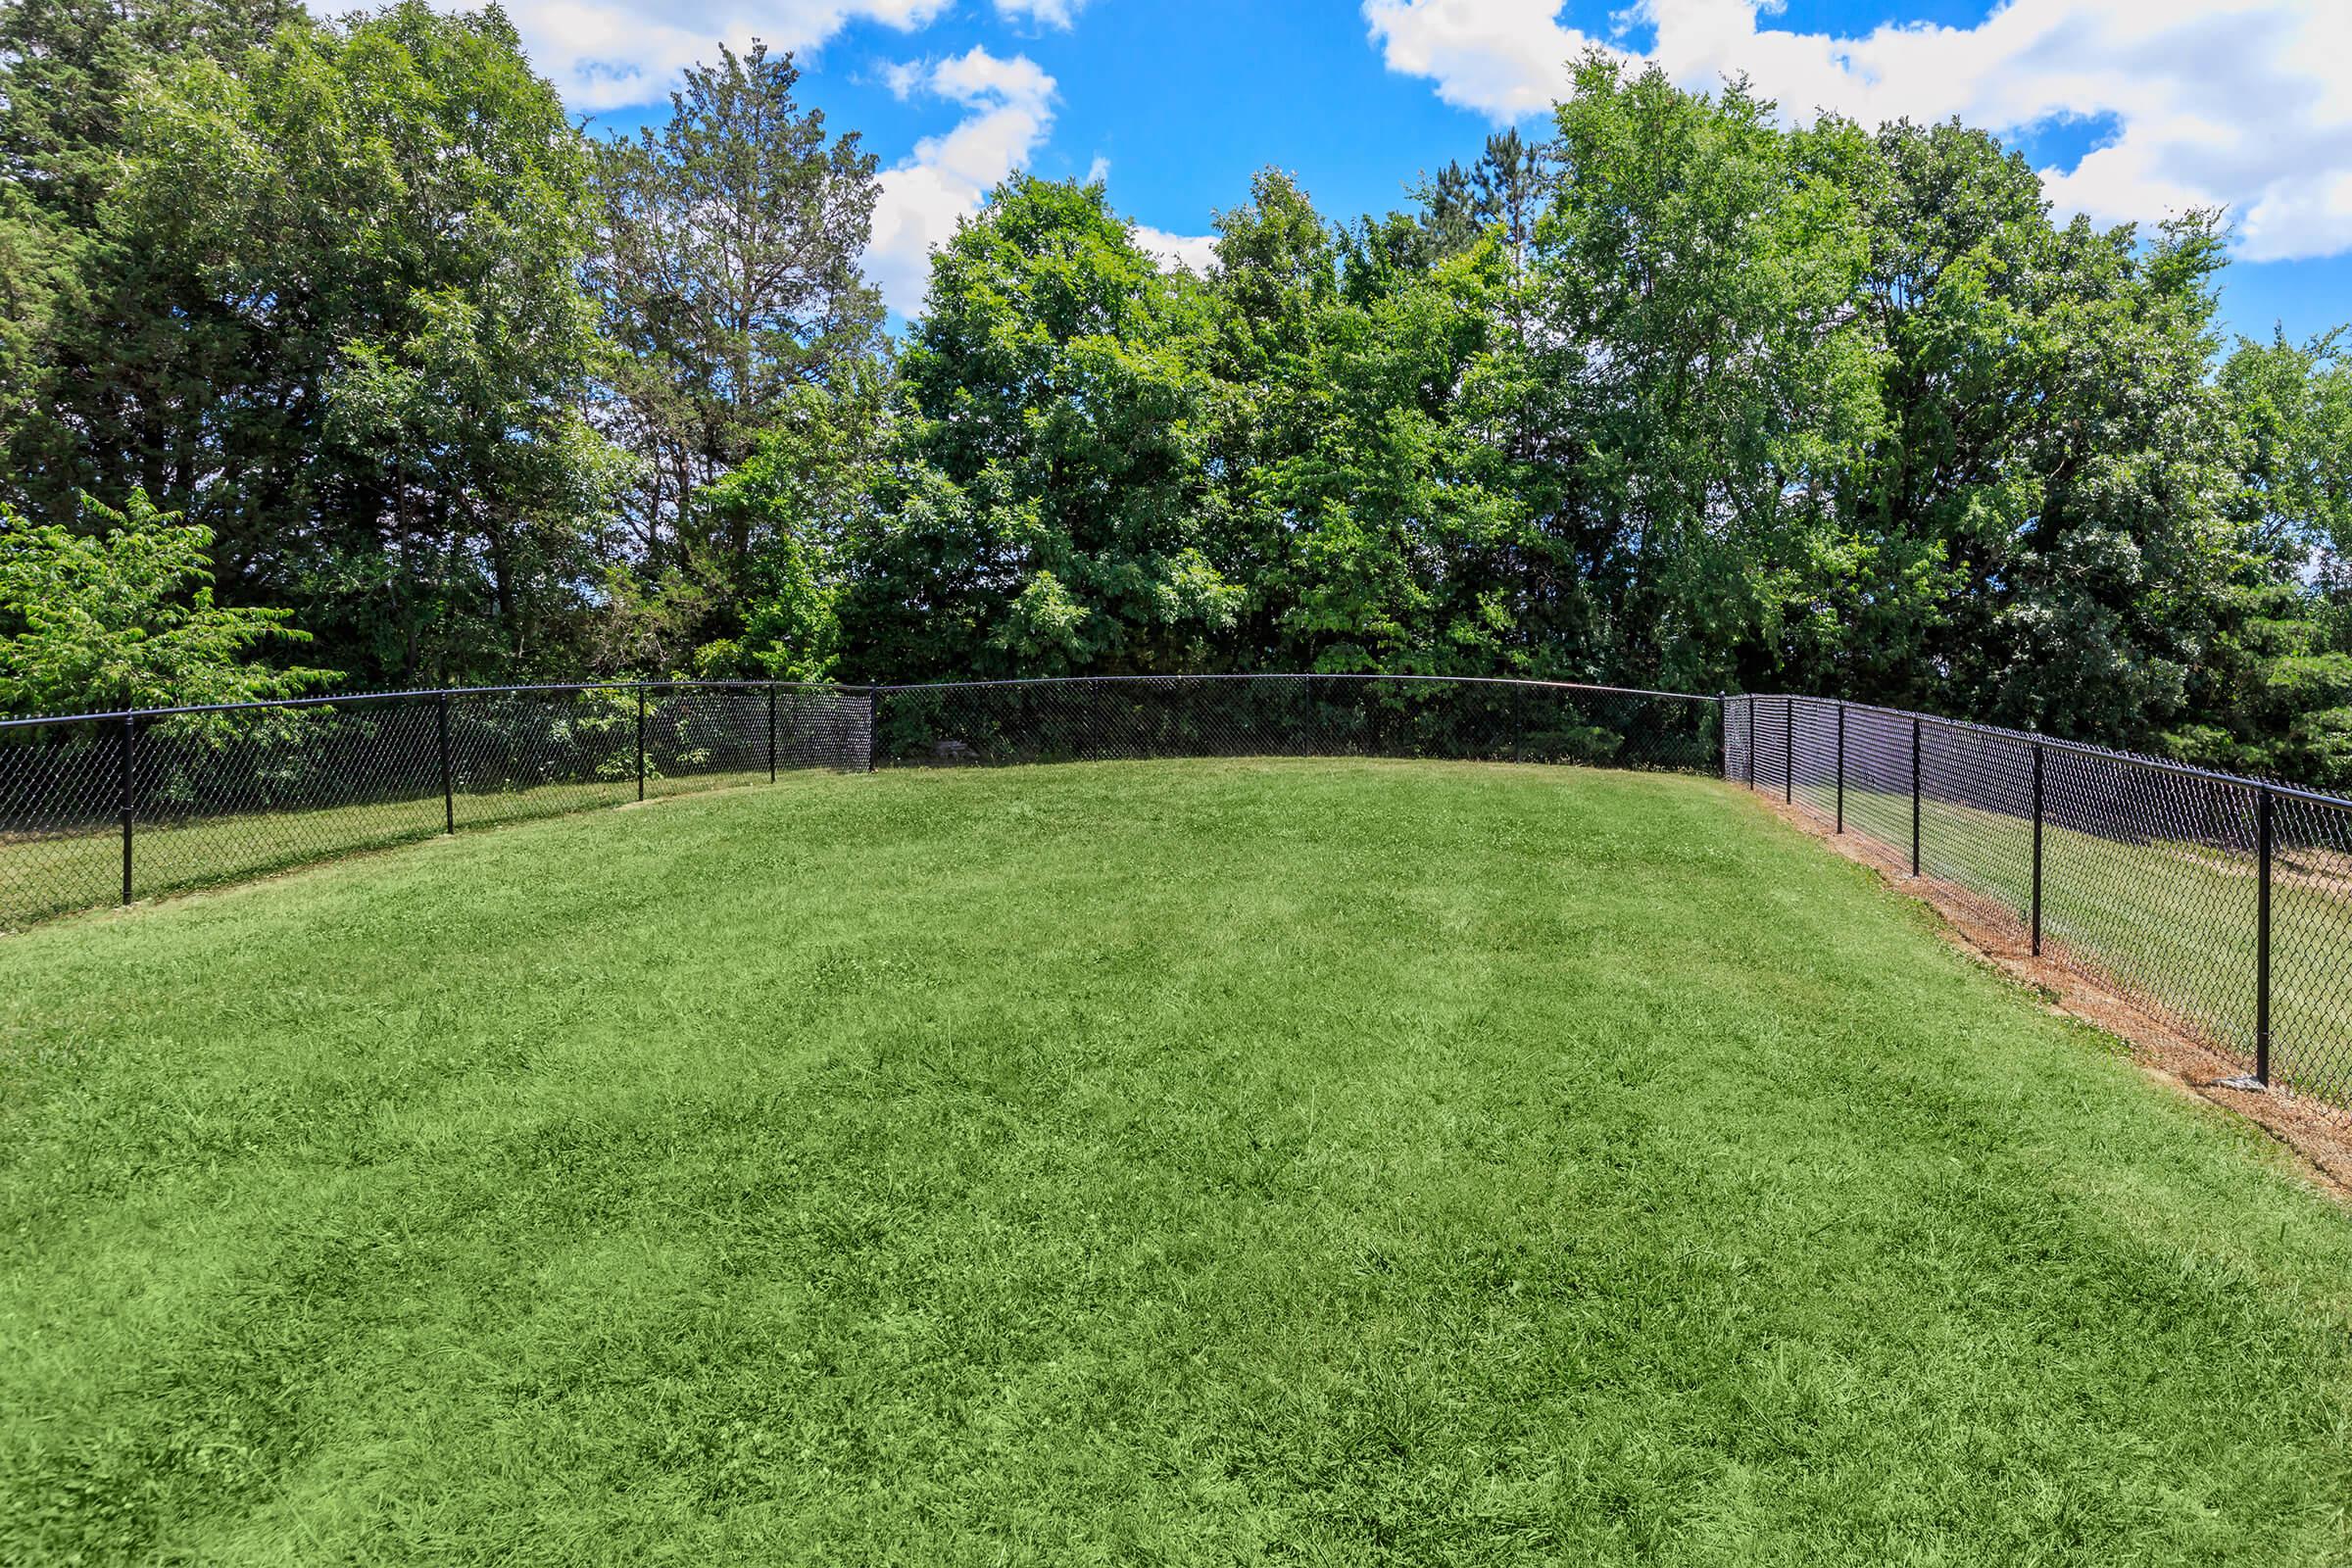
(130, 613)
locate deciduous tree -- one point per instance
(128, 617)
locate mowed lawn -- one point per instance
(1302, 1163)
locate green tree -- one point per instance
(127, 618)
(2038, 507)
(1502, 194)
(82, 319)
(1052, 508)
(728, 270)
(2273, 692)
(1375, 520)
(1274, 286)
(374, 232)
(802, 509)
(1407, 534)
(2291, 405)
(1696, 375)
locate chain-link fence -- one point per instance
(110, 808)
(2223, 904)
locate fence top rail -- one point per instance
(2104, 753)
(349, 699)
(1293, 675)
(353, 699)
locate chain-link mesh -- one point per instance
(1106, 718)
(2151, 881)
(524, 753)
(2152, 877)
(2310, 935)
(239, 793)
(61, 813)
(217, 794)
(2225, 904)
(1880, 751)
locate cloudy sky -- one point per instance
(2131, 108)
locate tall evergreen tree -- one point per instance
(728, 270)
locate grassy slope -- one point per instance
(1185, 1163)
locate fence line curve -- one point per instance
(2222, 902)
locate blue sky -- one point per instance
(2133, 107)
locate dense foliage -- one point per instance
(128, 617)
(1669, 395)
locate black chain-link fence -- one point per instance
(2224, 905)
(109, 808)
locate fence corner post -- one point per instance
(130, 792)
(1841, 767)
(2262, 939)
(449, 792)
(1915, 795)
(2038, 849)
(641, 740)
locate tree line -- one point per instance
(337, 353)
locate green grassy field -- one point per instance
(1310, 1162)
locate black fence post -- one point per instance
(1840, 767)
(2262, 941)
(1749, 702)
(641, 740)
(1915, 795)
(771, 734)
(449, 792)
(2038, 849)
(1788, 749)
(130, 793)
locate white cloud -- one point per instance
(1009, 110)
(1009, 106)
(612, 54)
(1045, 13)
(1195, 253)
(1504, 59)
(2242, 103)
